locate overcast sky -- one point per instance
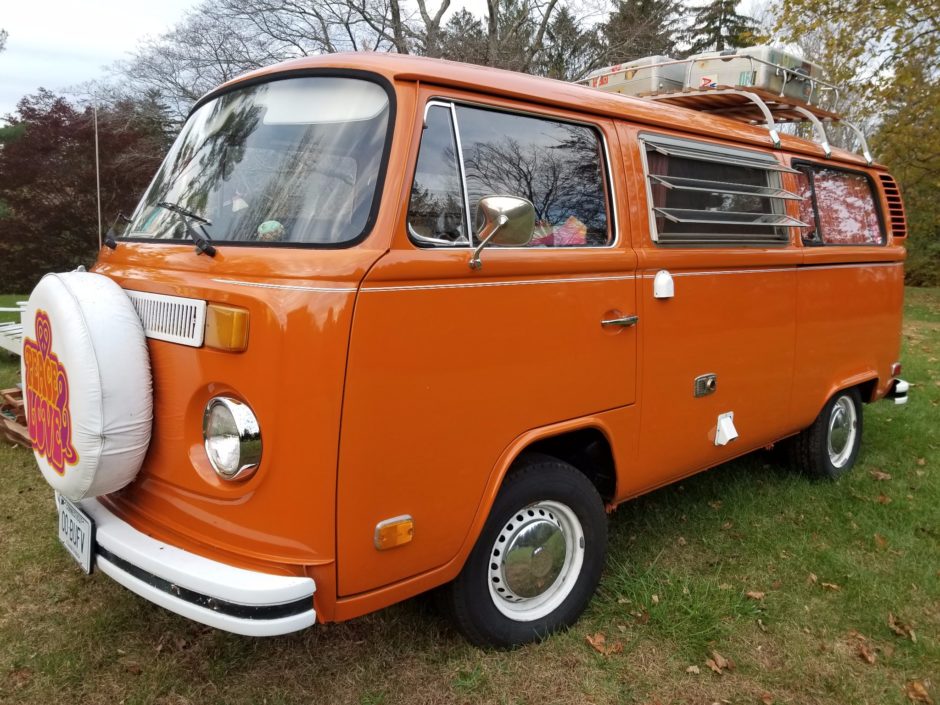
(57, 44)
(60, 43)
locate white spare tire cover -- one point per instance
(86, 384)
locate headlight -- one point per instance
(233, 438)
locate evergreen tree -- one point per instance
(718, 26)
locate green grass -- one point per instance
(681, 562)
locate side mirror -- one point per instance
(507, 221)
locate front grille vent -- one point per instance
(171, 318)
(895, 206)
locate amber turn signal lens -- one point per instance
(394, 532)
(226, 328)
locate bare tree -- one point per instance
(223, 38)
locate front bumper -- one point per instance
(207, 591)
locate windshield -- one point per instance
(288, 161)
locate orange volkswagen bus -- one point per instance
(383, 323)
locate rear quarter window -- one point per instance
(842, 206)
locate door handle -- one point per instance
(623, 322)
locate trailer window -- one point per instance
(558, 166)
(844, 207)
(702, 194)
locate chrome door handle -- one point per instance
(624, 322)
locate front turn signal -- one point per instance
(226, 328)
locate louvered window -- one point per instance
(703, 194)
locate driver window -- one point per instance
(436, 209)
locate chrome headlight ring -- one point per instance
(232, 438)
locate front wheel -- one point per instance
(538, 559)
(829, 447)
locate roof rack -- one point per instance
(762, 89)
(757, 106)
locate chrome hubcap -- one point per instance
(535, 560)
(843, 427)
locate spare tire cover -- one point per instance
(86, 384)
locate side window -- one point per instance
(557, 166)
(704, 194)
(845, 207)
(436, 213)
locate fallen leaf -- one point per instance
(767, 698)
(901, 628)
(831, 586)
(865, 653)
(132, 667)
(883, 499)
(623, 601)
(681, 541)
(811, 578)
(879, 475)
(916, 692)
(599, 642)
(693, 669)
(719, 663)
(922, 461)
(716, 505)
(724, 586)
(20, 677)
(655, 599)
(727, 525)
(643, 617)
(755, 594)
(760, 623)
(880, 541)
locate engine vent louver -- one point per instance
(895, 206)
(170, 318)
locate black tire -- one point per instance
(535, 485)
(810, 451)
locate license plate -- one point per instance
(76, 532)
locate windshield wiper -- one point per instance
(201, 239)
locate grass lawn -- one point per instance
(792, 580)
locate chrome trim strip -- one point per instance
(476, 285)
(794, 268)
(289, 287)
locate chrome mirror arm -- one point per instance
(475, 261)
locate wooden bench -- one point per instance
(11, 332)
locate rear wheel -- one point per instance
(538, 559)
(829, 447)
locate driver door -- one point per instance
(449, 364)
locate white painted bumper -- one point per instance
(222, 596)
(898, 391)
